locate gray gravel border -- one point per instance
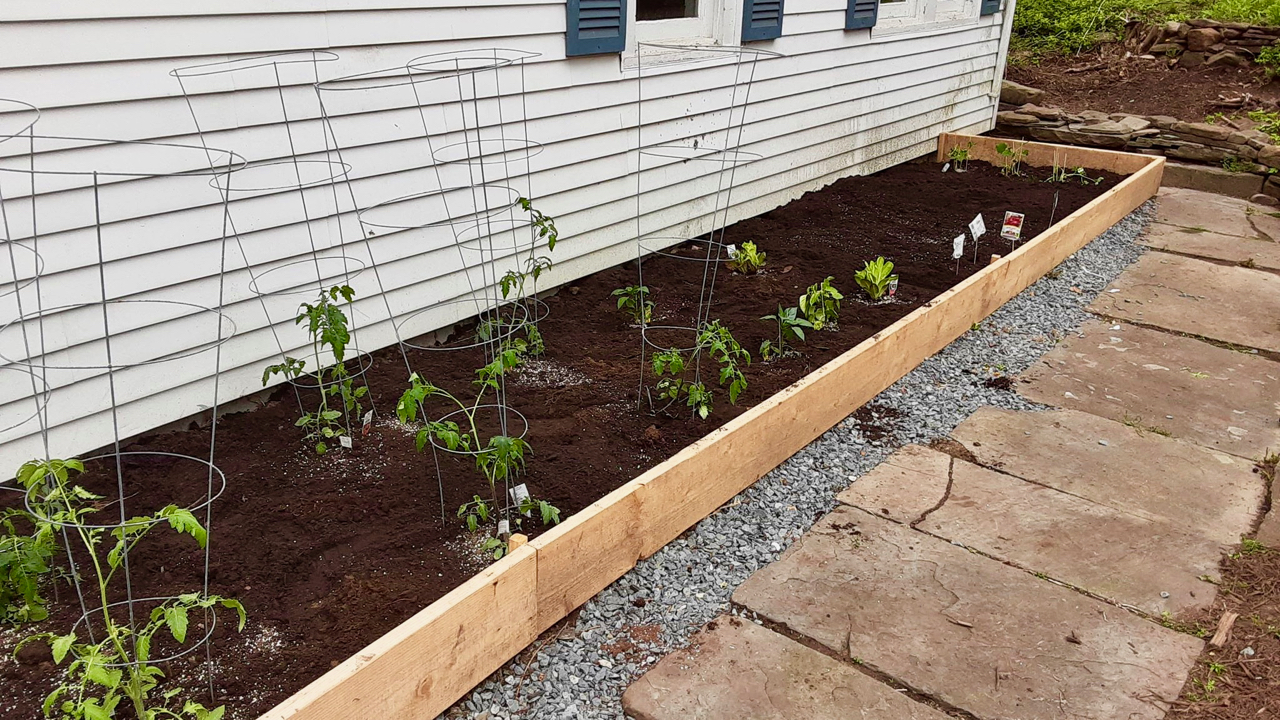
(654, 608)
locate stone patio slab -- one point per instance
(736, 670)
(1165, 383)
(1260, 252)
(968, 630)
(1269, 531)
(1231, 304)
(1208, 493)
(904, 487)
(1218, 213)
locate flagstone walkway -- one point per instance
(1018, 570)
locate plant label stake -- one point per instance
(1012, 228)
(957, 249)
(504, 528)
(367, 424)
(345, 441)
(893, 286)
(976, 228)
(519, 494)
(946, 167)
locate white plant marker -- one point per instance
(504, 528)
(345, 441)
(957, 249)
(519, 494)
(367, 423)
(976, 228)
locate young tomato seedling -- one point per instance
(514, 282)
(499, 459)
(634, 301)
(669, 366)
(115, 666)
(875, 278)
(340, 406)
(821, 304)
(790, 330)
(24, 559)
(746, 259)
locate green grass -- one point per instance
(1070, 26)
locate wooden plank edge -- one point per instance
(1046, 154)
(647, 497)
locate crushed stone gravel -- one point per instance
(653, 609)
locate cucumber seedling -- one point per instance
(114, 667)
(340, 406)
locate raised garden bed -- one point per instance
(328, 553)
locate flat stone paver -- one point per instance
(1208, 493)
(909, 483)
(1165, 383)
(968, 630)
(1269, 531)
(1117, 555)
(1231, 304)
(1257, 251)
(737, 670)
(1216, 213)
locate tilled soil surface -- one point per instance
(330, 552)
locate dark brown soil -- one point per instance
(1114, 83)
(1241, 679)
(330, 552)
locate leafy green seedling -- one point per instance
(821, 304)
(875, 277)
(1011, 159)
(959, 157)
(746, 259)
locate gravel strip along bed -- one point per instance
(582, 672)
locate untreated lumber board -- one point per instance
(423, 666)
(1047, 155)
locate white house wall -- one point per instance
(840, 103)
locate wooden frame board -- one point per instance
(422, 667)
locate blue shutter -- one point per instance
(596, 26)
(761, 19)
(990, 7)
(861, 14)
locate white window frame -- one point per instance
(719, 22)
(921, 15)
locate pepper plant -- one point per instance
(634, 301)
(790, 330)
(24, 559)
(821, 304)
(115, 670)
(340, 407)
(875, 278)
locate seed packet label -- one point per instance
(957, 246)
(893, 287)
(977, 227)
(345, 441)
(519, 494)
(504, 527)
(368, 423)
(1012, 227)
(731, 250)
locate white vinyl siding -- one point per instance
(839, 104)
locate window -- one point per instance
(665, 9)
(897, 16)
(676, 20)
